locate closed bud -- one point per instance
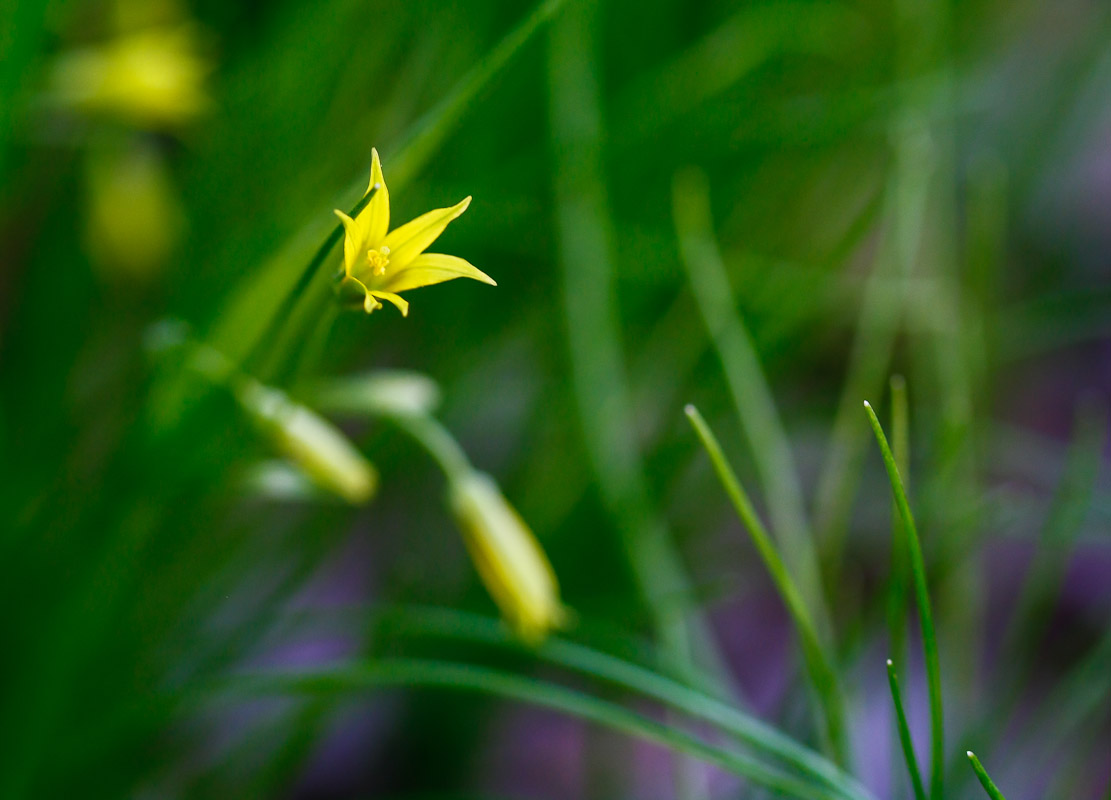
(507, 556)
(316, 446)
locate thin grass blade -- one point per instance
(905, 741)
(985, 779)
(752, 396)
(925, 615)
(818, 664)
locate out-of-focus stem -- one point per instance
(598, 372)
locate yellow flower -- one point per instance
(378, 265)
(507, 556)
(151, 78)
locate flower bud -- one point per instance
(322, 452)
(507, 556)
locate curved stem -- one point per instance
(437, 441)
(429, 674)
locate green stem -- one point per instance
(904, 733)
(925, 615)
(985, 779)
(437, 442)
(818, 666)
(253, 361)
(599, 373)
(429, 674)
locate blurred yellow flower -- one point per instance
(150, 78)
(378, 265)
(507, 556)
(135, 216)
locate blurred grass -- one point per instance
(889, 186)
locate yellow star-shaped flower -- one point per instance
(378, 265)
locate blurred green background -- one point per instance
(764, 208)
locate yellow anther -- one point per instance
(378, 260)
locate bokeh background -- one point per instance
(674, 198)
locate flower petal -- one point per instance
(430, 268)
(401, 303)
(370, 305)
(411, 239)
(353, 243)
(374, 220)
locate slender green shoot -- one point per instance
(904, 734)
(818, 666)
(433, 674)
(925, 616)
(985, 779)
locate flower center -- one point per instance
(378, 260)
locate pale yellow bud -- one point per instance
(507, 556)
(316, 446)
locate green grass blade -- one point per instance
(818, 666)
(899, 589)
(904, 734)
(752, 396)
(459, 626)
(985, 780)
(430, 674)
(925, 615)
(586, 245)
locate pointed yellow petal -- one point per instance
(401, 303)
(411, 239)
(352, 242)
(430, 268)
(374, 220)
(370, 305)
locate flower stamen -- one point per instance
(378, 260)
